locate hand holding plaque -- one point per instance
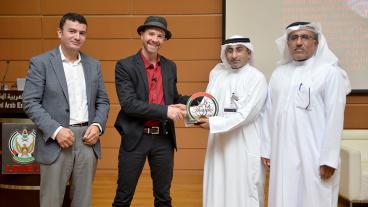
(201, 105)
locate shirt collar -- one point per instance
(146, 62)
(63, 58)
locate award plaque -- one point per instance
(201, 105)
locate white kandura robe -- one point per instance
(304, 113)
(233, 173)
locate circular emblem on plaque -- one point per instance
(21, 146)
(201, 105)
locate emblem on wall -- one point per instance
(21, 145)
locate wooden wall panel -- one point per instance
(19, 49)
(118, 27)
(137, 7)
(108, 70)
(191, 138)
(188, 88)
(194, 70)
(19, 7)
(50, 24)
(110, 27)
(189, 159)
(177, 7)
(357, 99)
(23, 27)
(114, 110)
(111, 138)
(112, 49)
(195, 26)
(110, 87)
(109, 159)
(192, 49)
(86, 6)
(356, 116)
(16, 69)
(186, 26)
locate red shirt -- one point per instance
(156, 90)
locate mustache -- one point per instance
(235, 59)
(299, 48)
(153, 43)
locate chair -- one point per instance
(354, 167)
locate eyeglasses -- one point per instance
(303, 37)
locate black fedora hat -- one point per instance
(155, 21)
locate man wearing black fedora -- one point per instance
(150, 103)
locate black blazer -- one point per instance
(132, 90)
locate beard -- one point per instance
(151, 48)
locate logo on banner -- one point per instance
(21, 145)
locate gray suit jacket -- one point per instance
(46, 100)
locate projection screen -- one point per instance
(344, 23)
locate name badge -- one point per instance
(229, 110)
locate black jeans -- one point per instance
(159, 151)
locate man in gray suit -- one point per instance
(65, 97)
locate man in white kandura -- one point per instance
(233, 170)
(303, 121)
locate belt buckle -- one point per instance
(154, 132)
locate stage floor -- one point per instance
(186, 190)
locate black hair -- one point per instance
(72, 17)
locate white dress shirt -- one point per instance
(75, 81)
(76, 90)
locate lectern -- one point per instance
(19, 172)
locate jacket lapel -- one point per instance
(142, 71)
(164, 73)
(58, 68)
(87, 77)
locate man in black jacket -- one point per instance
(150, 103)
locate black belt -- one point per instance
(79, 124)
(153, 130)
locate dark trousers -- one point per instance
(159, 151)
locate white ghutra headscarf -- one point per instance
(323, 55)
(236, 40)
